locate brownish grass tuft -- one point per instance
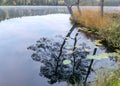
(106, 27)
(91, 18)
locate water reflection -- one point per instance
(7, 12)
(17, 69)
(52, 54)
(19, 11)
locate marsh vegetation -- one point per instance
(106, 28)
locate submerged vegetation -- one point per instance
(106, 28)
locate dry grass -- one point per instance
(106, 27)
(92, 19)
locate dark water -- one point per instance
(19, 68)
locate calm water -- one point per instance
(18, 32)
(7, 12)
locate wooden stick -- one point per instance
(89, 69)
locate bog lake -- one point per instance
(23, 27)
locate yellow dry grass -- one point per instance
(106, 27)
(92, 19)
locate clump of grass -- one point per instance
(104, 77)
(101, 78)
(92, 19)
(106, 27)
(107, 78)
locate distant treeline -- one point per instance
(14, 12)
(58, 2)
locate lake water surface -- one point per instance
(21, 27)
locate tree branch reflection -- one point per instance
(52, 54)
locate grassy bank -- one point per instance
(107, 78)
(107, 28)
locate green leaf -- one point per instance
(67, 61)
(97, 43)
(99, 57)
(68, 47)
(87, 50)
(78, 46)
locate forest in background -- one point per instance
(58, 2)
